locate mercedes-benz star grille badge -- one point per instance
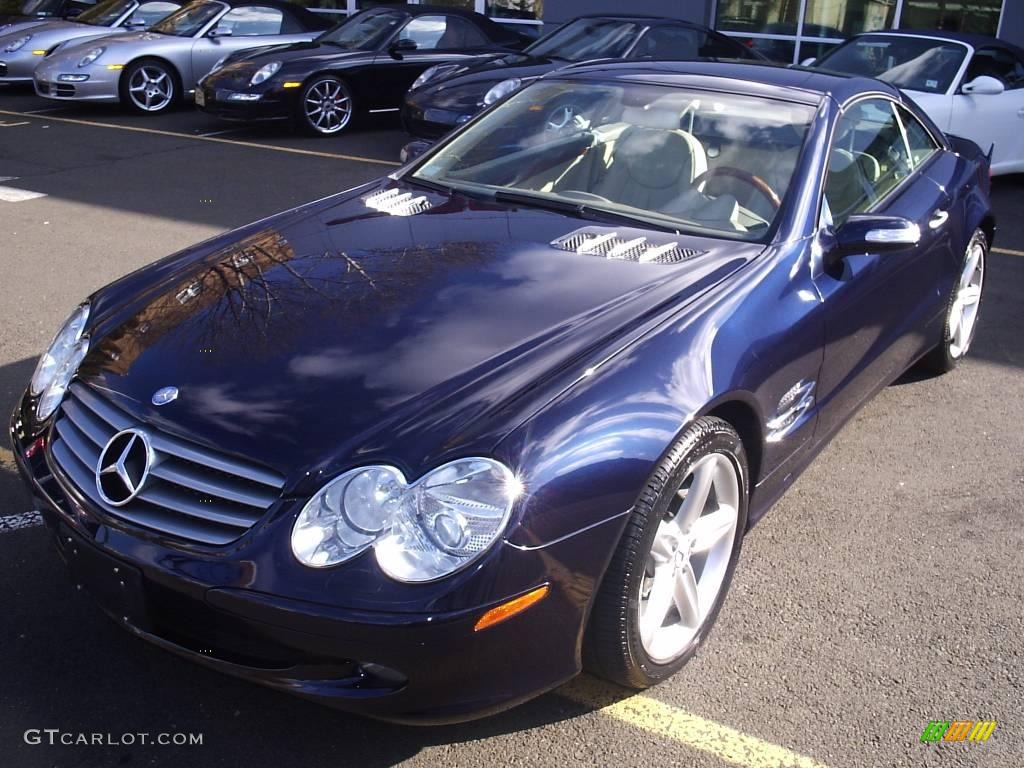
(124, 466)
(164, 395)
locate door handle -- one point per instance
(938, 219)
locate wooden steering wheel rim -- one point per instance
(746, 176)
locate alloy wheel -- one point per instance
(689, 558)
(327, 106)
(963, 313)
(151, 88)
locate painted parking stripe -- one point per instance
(1008, 251)
(15, 195)
(694, 732)
(214, 139)
(17, 522)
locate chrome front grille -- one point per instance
(192, 492)
(597, 241)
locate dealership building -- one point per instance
(784, 30)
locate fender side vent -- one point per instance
(395, 202)
(595, 241)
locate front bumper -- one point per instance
(272, 105)
(413, 665)
(430, 123)
(102, 85)
(17, 67)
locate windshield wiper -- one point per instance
(582, 209)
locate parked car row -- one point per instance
(256, 60)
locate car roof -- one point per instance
(494, 30)
(313, 20)
(970, 38)
(760, 78)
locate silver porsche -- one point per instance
(23, 46)
(150, 71)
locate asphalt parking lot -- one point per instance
(884, 591)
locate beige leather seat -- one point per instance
(650, 163)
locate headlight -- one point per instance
(59, 363)
(501, 90)
(420, 531)
(433, 73)
(17, 44)
(91, 56)
(265, 72)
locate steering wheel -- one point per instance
(746, 177)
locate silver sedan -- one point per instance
(23, 46)
(150, 71)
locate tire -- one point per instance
(149, 86)
(325, 106)
(962, 309)
(620, 644)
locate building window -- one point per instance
(793, 30)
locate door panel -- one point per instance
(880, 307)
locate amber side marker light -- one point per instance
(290, 84)
(507, 610)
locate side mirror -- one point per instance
(808, 61)
(134, 24)
(414, 149)
(867, 233)
(405, 45)
(984, 85)
(71, 13)
(222, 32)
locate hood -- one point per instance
(19, 26)
(311, 51)
(48, 34)
(340, 334)
(486, 71)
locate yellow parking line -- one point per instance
(214, 139)
(692, 731)
(1008, 251)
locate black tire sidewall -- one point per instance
(941, 359)
(619, 595)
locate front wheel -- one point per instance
(962, 309)
(325, 106)
(149, 87)
(669, 575)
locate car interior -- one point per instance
(715, 161)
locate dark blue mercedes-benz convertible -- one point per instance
(429, 447)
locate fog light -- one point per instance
(72, 78)
(244, 97)
(509, 609)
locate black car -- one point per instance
(448, 95)
(363, 65)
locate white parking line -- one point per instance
(15, 195)
(17, 522)
(47, 109)
(221, 133)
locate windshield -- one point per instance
(699, 161)
(587, 39)
(914, 63)
(189, 20)
(105, 14)
(365, 31)
(42, 7)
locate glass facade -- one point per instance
(523, 12)
(793, 30)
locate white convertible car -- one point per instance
(970, 85)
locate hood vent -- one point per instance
(597, 241)
(395, 202)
